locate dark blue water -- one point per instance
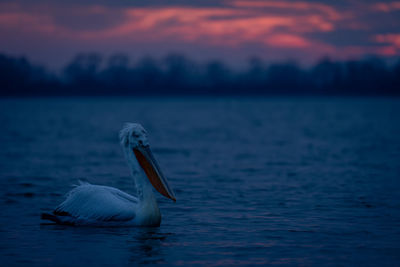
(258, 181)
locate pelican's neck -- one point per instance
(147, 212)
(143, 185)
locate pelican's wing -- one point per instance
(91, 204)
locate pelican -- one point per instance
(98, 205)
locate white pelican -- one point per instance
(99, 205)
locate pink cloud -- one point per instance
(391, 41)
(386, 7)
(387, 51)
(326, 10)
(230, 26)
(287, 40)
(391, 38)
(214, 26)
(26, 22)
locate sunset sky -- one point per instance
(52, 32)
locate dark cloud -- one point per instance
(125, 3)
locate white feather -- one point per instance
(96, 204)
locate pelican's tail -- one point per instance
(50, 217)
(66, 220)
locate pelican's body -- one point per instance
(99, 205)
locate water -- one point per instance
(258, 181)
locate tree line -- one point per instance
(91, 74)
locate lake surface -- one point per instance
(276, 181)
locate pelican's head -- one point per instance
(133, 135)
(133, 138)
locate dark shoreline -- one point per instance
(177, 75)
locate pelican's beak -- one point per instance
(153, 172)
